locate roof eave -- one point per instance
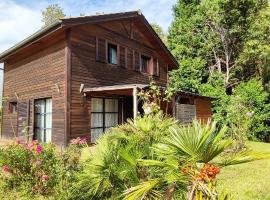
(29, 39)
(193, 94)
(82, 20)
(98, 18)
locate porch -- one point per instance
(112, 105)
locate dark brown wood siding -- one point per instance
(203, 109)
(92, 72)
(39, 75)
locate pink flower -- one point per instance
(39, 149)
(19, 142)
(79, 141)
(5, 169)
(76, 140)
(31, 146)
(45, 177)
(82, 141)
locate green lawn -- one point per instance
(249, 181)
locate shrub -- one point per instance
(39, 169)
(114, 167)
(29, 166)
(68, 165)
(248, 112)
(152, 157)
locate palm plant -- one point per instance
(152, 157)
(114, 165)
(190, 156)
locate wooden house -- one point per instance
(80, 76)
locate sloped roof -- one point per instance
(73, 21)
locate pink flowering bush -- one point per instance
(31, 166)
(80, 141)
(36, 168)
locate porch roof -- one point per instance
(125, 90)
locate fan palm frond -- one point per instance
(241, 157)
(144, 190)
(196, 142)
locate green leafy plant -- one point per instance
(152, 157)
(33, 169)
(187, 161)
(113, 167)
(30, 166)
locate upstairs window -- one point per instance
(13, 107)
(145, 62)
(112, 54)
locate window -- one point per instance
(43, 120)
(13, 107)
(104, 114)
(145, 61)
(112, 54)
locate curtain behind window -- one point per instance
(104, 115)
(43, 120)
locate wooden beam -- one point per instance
(114, 87)
(67, 86)
(135, 102)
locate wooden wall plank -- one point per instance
(87, 70)
(39, 75)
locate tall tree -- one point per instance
(255, 58)
(52, 13)
(230, 20)
(189, 41)
(213, 32)
(161, 33)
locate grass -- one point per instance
(249, 181)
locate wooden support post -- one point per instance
(135, 102)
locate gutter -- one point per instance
(29, 39)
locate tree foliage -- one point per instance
(220, 45)
(51, 14)
(161, 33)
(255, 57)
(214, 31)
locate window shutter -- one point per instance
(137, 62)
(122, 56)
(23, 118)
(155, 67)
(130, 58)
(101, 50)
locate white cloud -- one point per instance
(19, 20)
(16, 23)
(159, 11)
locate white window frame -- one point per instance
(45, 114)
(103, 112)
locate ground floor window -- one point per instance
(43, 120)
(104, 115)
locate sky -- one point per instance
(21, 18)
